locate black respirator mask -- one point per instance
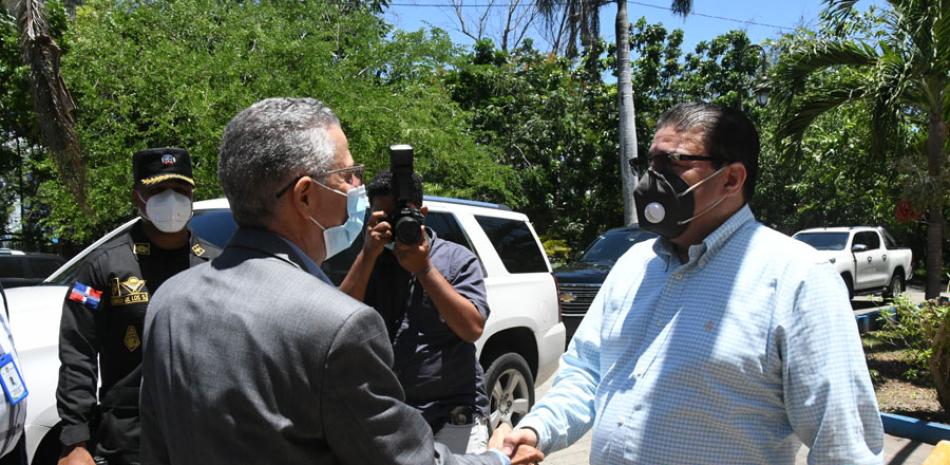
(665, 203)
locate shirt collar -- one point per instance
(714, 241)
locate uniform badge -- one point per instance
(168, 159)
(132, 340)
(130, 291)
(142, 248)
(198, 249)
(85, 295)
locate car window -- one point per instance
(611, 245)
(41, 267)
(516, 246)
(447, 228)
(868, 238)
(11, 266)
(824, 240)
(889, 241)
(214, 225)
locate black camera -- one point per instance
(405, 220)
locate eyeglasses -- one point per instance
(660, 160)
(352, 175)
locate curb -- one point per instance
(930, 432)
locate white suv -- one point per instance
(521, 344)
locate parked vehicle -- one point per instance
(867, 258)
(521, 344)
(18, 268)
(580, 281)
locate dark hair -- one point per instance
(727, 133)
(382, 184)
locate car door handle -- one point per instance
(884, 257)
(869, 259)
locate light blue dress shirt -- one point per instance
(738, 356)
(12, 417)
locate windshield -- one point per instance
(611, 245)
(824, 240)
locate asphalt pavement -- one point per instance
(897, 450)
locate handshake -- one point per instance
(519, 445)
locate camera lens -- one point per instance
(408, 230)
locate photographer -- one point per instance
(431, 293)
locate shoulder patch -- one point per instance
(85, 295)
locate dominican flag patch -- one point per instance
(85, 295)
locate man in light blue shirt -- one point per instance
(723, 341)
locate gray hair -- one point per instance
(265, 146)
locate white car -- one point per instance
(521, 344)
(867, 258)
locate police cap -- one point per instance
(152, 166)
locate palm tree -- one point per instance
(580, 19)
(907, 74)
(52, 102)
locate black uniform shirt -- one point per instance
(106, 337)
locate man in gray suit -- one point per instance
(256, 357)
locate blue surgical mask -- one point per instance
(338, 238)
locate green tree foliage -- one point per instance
(554, 120)
(553, 127)
(904, 78)
(174, 73)
(20, 150)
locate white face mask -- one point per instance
(168, 211)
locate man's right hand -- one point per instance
(516, 438)
(526, 455)
(76, 455)
(378, 233)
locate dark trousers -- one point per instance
(18, 455)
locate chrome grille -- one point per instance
(576, 298)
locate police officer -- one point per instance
(104, 312)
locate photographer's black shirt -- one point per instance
(437, 369)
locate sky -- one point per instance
(761, 19)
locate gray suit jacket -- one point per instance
(248, 359)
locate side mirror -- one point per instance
(859, 248)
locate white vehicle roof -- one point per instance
(434, 203)
(844, 229)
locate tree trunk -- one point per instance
(628, 131)
(936, 141)
(940, 364)
(52, 102)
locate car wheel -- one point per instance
(896, 286)
(510, 389)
